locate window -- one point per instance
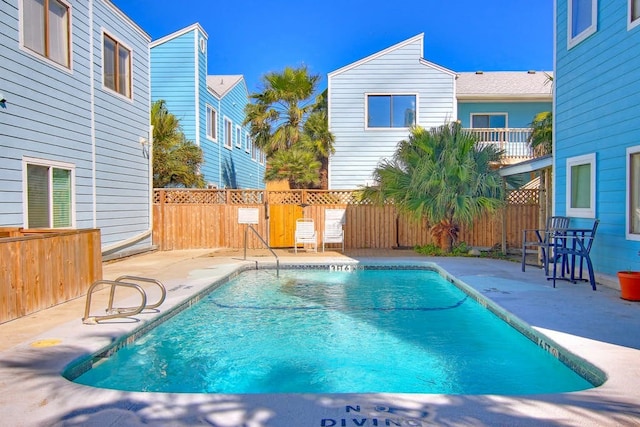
(634, 13)
(46, 28)
(212, 123)
(49, 195)
(391, 111)
(581, 186)
(488, 120)
(247, 143)
(228, 135)
(238, 137)
(583, 16)
(253, 151)
(116, 66)
(633, 193)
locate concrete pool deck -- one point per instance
(596, 326)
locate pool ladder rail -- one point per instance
(126, 281)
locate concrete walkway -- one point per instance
(596, 326)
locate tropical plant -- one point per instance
(176, 161)
(285, 117)
(443, 175)
(541, 138)
(298, 166)
(316, 136)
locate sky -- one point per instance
(255, 37)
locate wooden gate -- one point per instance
(282, 220)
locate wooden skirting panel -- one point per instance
(42, 268)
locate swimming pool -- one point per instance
(320, 331)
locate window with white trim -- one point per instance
(212, 123)
(633, 193)
(116, 66)
(46, 29)
(391, 111)
(49, 194)
(254, 154)
(228, 133)
(581, 186)
(634, 13)
(247, 143)
(238, 137)
(582, 21)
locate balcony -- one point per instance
(513, 141)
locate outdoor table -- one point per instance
(573, 243)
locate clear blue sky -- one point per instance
(253, 37)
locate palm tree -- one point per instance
(317, 138)
(443, 175)
(176, 161)
(541, 138)
(284, 117)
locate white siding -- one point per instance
(398, 70)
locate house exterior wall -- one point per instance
(596, 113)
(397, 70)
(175, 68)
(519, 114)
(247, 172)
(179, 77)
(56, 115)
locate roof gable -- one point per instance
(221, 85)
(179, 33)
(418, 38)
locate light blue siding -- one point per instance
(173, 79)
(179, 76)
(398, 70)
(519, 114)
(53, 115)
(596, 111)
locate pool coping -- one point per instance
(50, 399)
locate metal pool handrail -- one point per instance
(129, 312)
(134, 279)
(249, 226)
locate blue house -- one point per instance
(597, 145)
(74, 121)
(210, 108)
(374, 102)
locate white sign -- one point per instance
(248, 215)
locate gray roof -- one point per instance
(504, 85)
(220, 85)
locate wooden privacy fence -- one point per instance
(191, 219)
(42, 268)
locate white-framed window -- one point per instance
(212, 123)
(633, 13)
(46, 29)
(228, 133)
(247, 143)
(582, 20)
(262, 157)
(238, 136)
(116, 66)
(254, 153)
(390, 110)
(48, 194)
(581, 186)
(633, 193)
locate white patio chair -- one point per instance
(333, 227)
(305, 233)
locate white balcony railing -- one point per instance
(513, 141)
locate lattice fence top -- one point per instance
(293, 197)
(523, 197)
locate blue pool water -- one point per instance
(318, 331)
